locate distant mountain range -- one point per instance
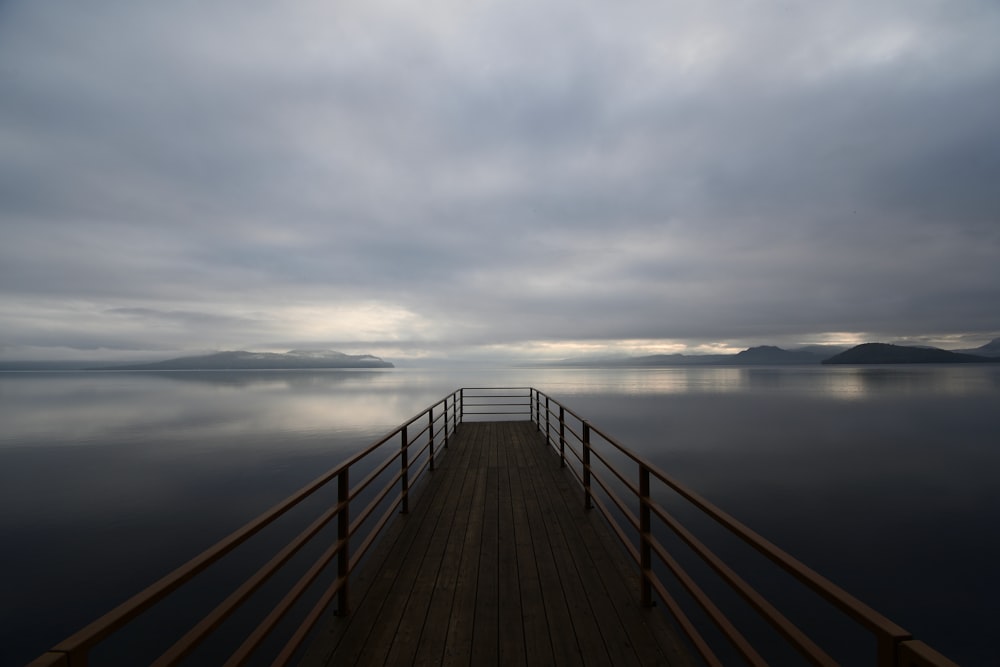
(764, 355)
(883, 353)
(769, 355)
(242, 360)
(991, 349)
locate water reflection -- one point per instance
(109, 480)
(840, 382)
(891, 494)
(108, 409)
(134, 473)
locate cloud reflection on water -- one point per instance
(885, 459)
(839, 382)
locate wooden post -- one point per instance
(430, 435)
(343, 536)
(645, 550)
(461, 404)
(562, 437)
(405, 481)
(588, 502)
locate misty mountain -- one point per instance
(673, 359)
(44, 365)
(771, 355)
(884, 353)
(242, 360)
(823, 351)
(991, 349)
(762, 355)
(653, 360)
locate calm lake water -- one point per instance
(884, 479)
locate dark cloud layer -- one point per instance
(496, 177)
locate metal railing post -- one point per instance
(588, 503)
(446, 422)
(430, 436)
(562, 437)
(894, 647)
(885, 647)
(343, 536)
(645, 550)
(405, 480)
(538, 410)
(547, 431)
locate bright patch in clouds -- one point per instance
(352, 323)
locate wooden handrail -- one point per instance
(416, 445)
(891, 639)
(414, 451)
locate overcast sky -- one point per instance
(537, 177)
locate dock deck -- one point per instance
(498, 563)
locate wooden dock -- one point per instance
(498, 563)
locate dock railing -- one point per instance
(408, 451)
(597, 462)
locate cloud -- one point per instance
(497, 174)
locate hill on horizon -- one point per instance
(885, 353)
(243, 360)
(991, 349)
(762, 355)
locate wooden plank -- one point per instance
(614, 579)
(647, 630)
(498, 564)
(563, 639)
(430, 650)
(485, 634)
(510, 606)
(607, 639)
(517, 455)
(378, 581)
(336, 629)
(458, 643)
(567, 551)
(406, 637)
(537, 633)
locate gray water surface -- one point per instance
(884, 479)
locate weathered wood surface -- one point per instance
(497, 563)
